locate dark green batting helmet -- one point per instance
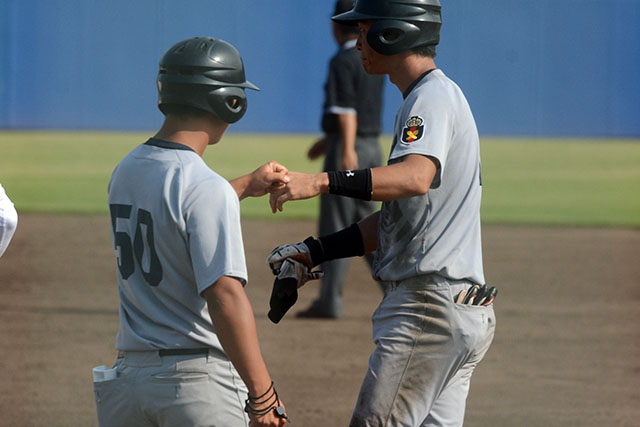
(399, 25)
(343, 6)
(204, 73)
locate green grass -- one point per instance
(525, 181)
(561, 181)
(62, 172)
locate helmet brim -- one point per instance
(352, 18)
(248, 85)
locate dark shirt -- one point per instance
(349, 87)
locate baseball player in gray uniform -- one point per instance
(8, 220)
(436, 320)
(351, 126)
(187, 342)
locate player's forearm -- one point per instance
(348, 128)
(232, 315)
(318, 183)
(304, 186)
(369, 230)
(301, 186)
(409, 178)
(269, 177)
(240, 185)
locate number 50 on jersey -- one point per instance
(128, 251)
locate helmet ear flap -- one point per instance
(389, 37)
(229, 103)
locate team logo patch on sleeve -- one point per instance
(413, 130)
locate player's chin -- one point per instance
(368, 66)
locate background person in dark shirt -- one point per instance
(351, 125)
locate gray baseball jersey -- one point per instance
(176, 230)
(8, 220)
(440, 231)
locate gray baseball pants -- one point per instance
(172, 391)
(427, 347)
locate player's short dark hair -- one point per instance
(348, 30)
(183, 111)
(427, 51)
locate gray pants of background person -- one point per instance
(427, 347)
(336, 213)
(172, 391)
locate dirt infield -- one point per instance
(566, 352)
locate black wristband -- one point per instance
(315, 250)
(356, 184)
(343, 244)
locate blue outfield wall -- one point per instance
(545, 67)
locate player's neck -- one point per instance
(195, 133)
(196, 140)
(408, 68)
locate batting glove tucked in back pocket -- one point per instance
(292, 275)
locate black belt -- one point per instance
(171, 352)
(182, 351)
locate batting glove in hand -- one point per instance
(292, 275)
(298, 251)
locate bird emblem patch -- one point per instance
(413, 130)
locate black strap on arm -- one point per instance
(345, 243)
(356, 184)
